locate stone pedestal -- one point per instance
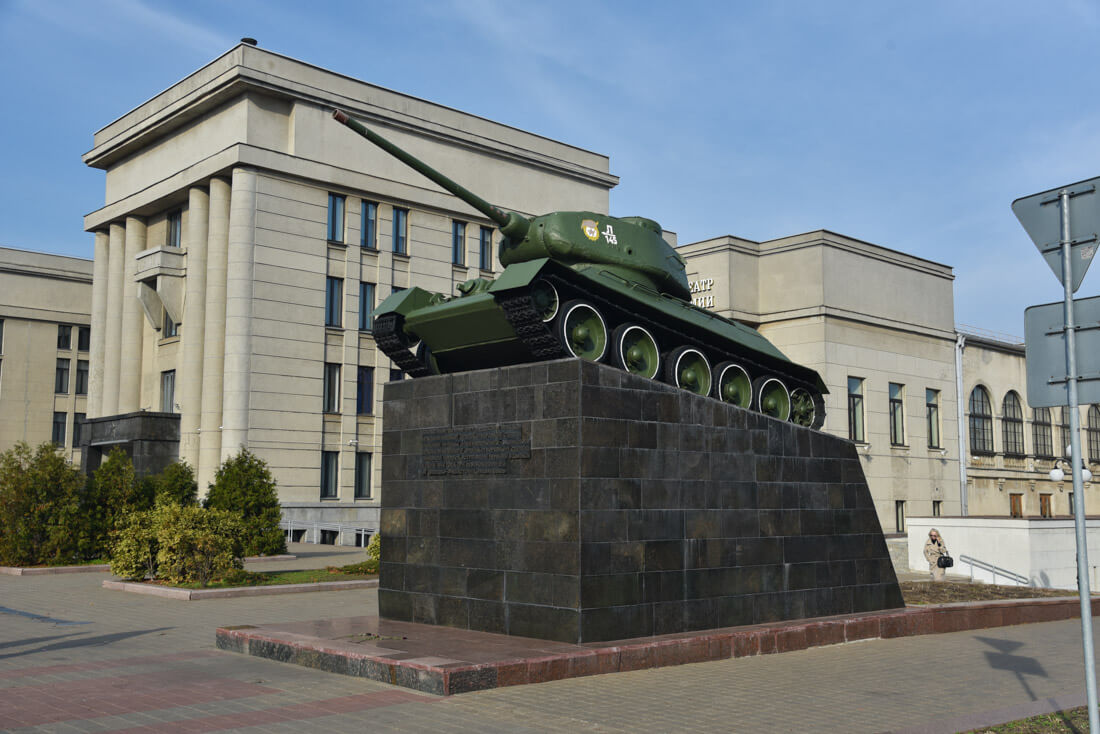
(571, 501)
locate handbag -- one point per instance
(945, 561)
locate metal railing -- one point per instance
(994, 570)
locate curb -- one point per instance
(169, 592)
(51, 570)
(426, 674)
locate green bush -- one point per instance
(196, 544)
(134, 547)
(40, 494)
(176, 485)
(244, 485)
(374, 548)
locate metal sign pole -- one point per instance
(1075, 462)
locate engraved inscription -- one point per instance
(484, 451)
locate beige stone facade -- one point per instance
(45, 340)
(241, 227)
(856, 311)
(1011, 447)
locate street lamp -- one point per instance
(1057, 474)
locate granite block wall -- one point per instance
(571, 501)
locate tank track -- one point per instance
(533, 332)
(389, 337)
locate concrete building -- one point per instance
(244, 241)
(45, 337)
(1011, 447)
(878, 325)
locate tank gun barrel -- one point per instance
(510, 223)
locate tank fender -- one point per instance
(404, 302)
(518, 275)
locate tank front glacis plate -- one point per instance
(459, 324)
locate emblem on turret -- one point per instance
(591, 229)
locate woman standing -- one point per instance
(934, 549)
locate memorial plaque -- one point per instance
(485, 450)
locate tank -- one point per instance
(587, 285)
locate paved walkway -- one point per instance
(75, 657)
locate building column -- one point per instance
(112, 332)
(213, 338)
(238, 312)
(133, 321)
(189, 376)
(99, 323)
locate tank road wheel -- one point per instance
(583, 331)
(732, 384)
(635, 350)
(807, 408)
(544, 299)
(687, 368)
(771, 397)
(425, 357)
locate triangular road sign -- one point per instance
(1041, 216)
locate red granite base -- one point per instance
(446, 661)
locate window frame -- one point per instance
(1042, 434)
(173, 235)
(896, 396)
(458, 242)
(83, 367)
(83, 338)
(932, 418)
(64, 336)
(367, 292)
(1092, 433)
(61, 376)
(857, 418)
(400, 240)
(330, 473)
(330, 389)
(1065, 432)
(78, 421)
(57, 427)
(368, 224)
(396, 374)
(363, 475)
(168, 391)
(171, 328)
(1012, 425)
(980, 424)
(337, 217)
(364, 390)
(485, 249)
(334, 302)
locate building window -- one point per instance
(328, 474)
(362, 475)
(366, 306)
(400, 231)
(1072, 507)
(396, 374)
(485, 250)
(458, 242)
(369, 225)
(1, 336)
(81, 377)
(1015, 505)
(58, 433)
(168, 391)
(932, 416)
(855, 410)
(981, 422)
(937, 507)
(334, 301)
(61, 377)
(1040, 431)
(78, 427)
(899, 515)
(174, 238)
(1012, 425)
(335, 218)
(897, 414)
(1044, 506)
(1064, 448)
(1093, 432)
(64, 336)
(83, 338)
(364, 395)
(332, 388)
(171, 328)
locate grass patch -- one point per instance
(66, 564)
(927, 592)
(1071, 721)
(351, 572)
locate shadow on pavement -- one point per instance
(34, 640)
(86, 642)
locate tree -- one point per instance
(39, 501)
(176, 485)
(243, 484)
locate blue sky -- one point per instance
(909, 125)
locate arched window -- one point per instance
(981, 422)
(1094, 433)
(1062, 449)
(1012, 423)
(1040, 427)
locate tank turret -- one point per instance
(587, 285)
